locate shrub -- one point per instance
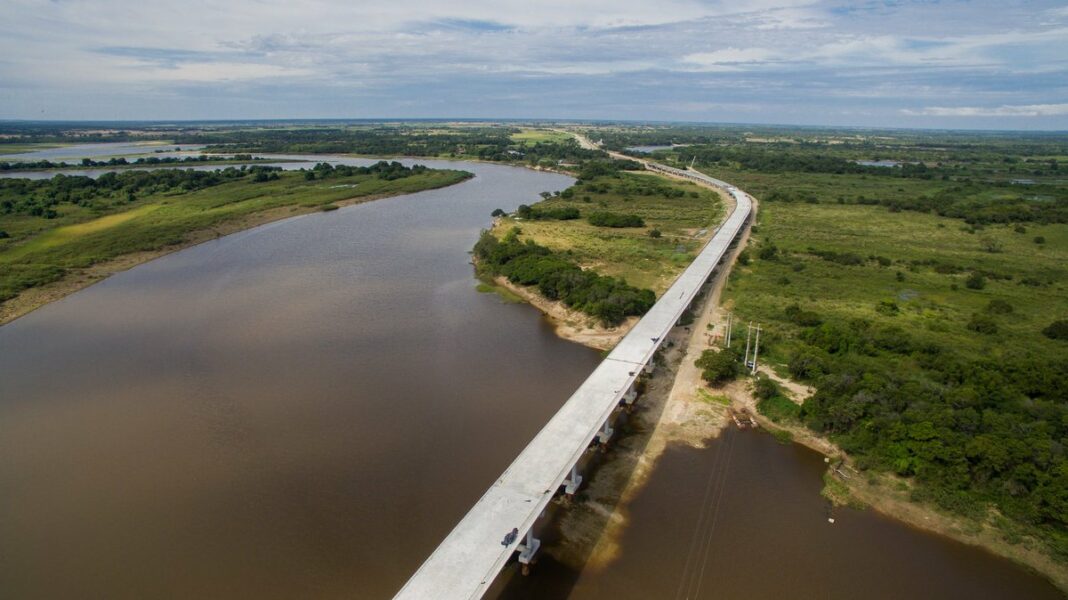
(887, 307)
(655, 233)
(1057, 330)
(804, 318)
(975, 281)
(765, 388)
(998, 306)
(982, 324)
(768, 251)
(806, 365)
(1040, 240)
(4, 235)
(718, 366)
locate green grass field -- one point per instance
(931, 305)
(529, 137)
(42, 250)
(629, 253)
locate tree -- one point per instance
(654, 233)
(497, 213)
(718, 366)
(975, 282)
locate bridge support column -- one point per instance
(630, 396)
(648, 368)
(572, 483)
(527, 550)
(605, 433)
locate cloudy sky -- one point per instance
(955, 64)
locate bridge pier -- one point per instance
(572, 483)
(630, 397)
(527, 550)
(605, 433)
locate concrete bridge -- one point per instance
(471, 556)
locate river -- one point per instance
(306, 408)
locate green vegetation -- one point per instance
(533, 137)
(772, 403)
(557, 278)
(916, 301)
(678, 211)
(719, 366)
(562, 213)
(88, 163)
(65, 223)
(955, 387)
(609, 219)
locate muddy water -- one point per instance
(745, 519)
(301, 410)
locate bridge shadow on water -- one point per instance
(570, 530)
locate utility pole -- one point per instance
(727, 336)
(756, 349)
(748, 335)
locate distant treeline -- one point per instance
(966, 201)
(608, 299)
(388, 170)
(41, 197)
(484, 143)
(120, 162)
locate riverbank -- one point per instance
(679, 408)
(889, 496)
(77, 278)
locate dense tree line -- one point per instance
(563, 213)
(120, 162)
(485, 143)
(969, 202)
(388, 170)
(609, 299)
(971, 432)
(40, 197)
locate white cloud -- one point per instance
(1024, 110)
(729, 56)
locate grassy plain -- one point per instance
(630, 253)
(931, 305)
(529, 137)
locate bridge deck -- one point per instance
(469, 559)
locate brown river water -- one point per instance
(305, 409)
